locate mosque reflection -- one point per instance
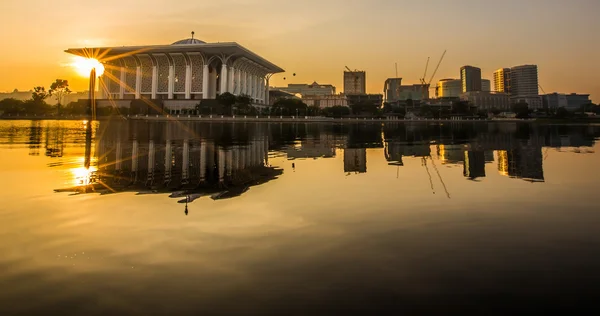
(190, 160)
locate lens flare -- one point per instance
(84, 66)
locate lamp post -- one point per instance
(92, 96)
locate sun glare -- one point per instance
(84, 66)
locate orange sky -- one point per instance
(316, 39)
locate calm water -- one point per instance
(297, 219)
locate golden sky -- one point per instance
(316, 39)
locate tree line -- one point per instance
(37, 105)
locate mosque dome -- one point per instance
(189, 41)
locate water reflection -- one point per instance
(192, 160)
(352, 216)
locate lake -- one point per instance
(200, 218)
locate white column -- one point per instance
(122, 83)
(243, 82)
(154, 81)
(224, 81)
(251, 85)
(138, 82)
(261, 89)
(171, 85)
(267, 93)
(231, 79)
(205, 82)
(238, 88)
(188, 82)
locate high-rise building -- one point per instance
(391, 89)
(474, 164)
(486, 85)
(502, 80)
(470, 78)
(524, 80)
(524, 86)
(355, 82)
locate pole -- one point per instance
(92, 96)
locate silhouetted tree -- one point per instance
(561, 113)
(336, 111)
(290, 107)
(461, 107)
(59, 89)
(521, 110)
(12, 106)
(39, 94)
(244, 104)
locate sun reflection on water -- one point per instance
(84, 176)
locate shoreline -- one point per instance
(279, 119)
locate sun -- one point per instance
(84, 66)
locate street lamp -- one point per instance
(93, 68)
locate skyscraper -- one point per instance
(470, 78)
(486, 85)
(355, 82)
(502, 80)
(524, 85)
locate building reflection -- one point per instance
(165, 159)
(224, 159)
(355, 160)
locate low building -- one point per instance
(487, 100)
(325, 101)
(533, 102)
(571, 102)
(577, 102)
(414, 92)
(376, 99)
(308, 89)
(452, 88)
(275, 95)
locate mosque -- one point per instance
(180, 74)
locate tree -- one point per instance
(521, 110)
(364, 107)
(244, 104)
(12, 106)
(227, 100)
(561, 113)
(59, 89)
(314, 110)
(387, 107)
(39, 94)
(336, 111)
(495, 111)
(461, 107)
(290, 107)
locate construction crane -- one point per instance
(541, 88)
(356, 89)
(422, 80)
(427, 84)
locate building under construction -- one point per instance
(355, 82)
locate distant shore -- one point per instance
(305, 119)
